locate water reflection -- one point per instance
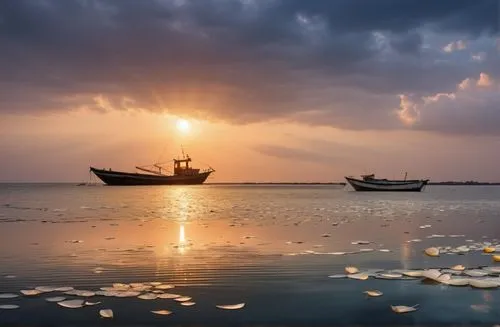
(183, 245)
(405, 255)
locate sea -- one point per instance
(246, 255)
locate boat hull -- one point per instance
(386, 186)
(119, 178)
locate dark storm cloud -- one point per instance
(341, 62)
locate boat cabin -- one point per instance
(184, 170)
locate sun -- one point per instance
(183, 126)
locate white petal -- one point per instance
(373, 293)
(8, 295)
(30, 292)
(55, 299)
(91, 303)
(432, 252)
(72, 304)
(106, 313)
(168, 296)
(148, 296)
(360, 276)
(351, 270)
(182, 299)
(162, 312)
(8, 306)
(188, 303)
(231, 306)
(403, 308)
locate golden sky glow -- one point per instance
(183, 126)
(65, 145)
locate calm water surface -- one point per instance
(271, 247)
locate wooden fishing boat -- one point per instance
(154, 175)
(370, 183)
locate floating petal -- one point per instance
(106, 313)
(168, 296)
(120, 285)
(231, 306)
(64, 289)
(458, 268)
(481, 283)
(404, 308)
(8, 295)
(351, 270)
(187, 303)
(91, 303)
(156, 284)
(164, 287)
(182, 299)
(489, 249)
(148, 296)
(30, 292)
(55, 299)
(457, 281)
(413, 273)
(337, 276)
(162, 312)
(45, 289)
(360, 276)
(373, 293)
(72, 304)
(432, 252)
(496, 258)
(476, 273)
(8, 306)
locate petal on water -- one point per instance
(230, 306)
(162, 312)
(413, 273)
(481, 283)
(64, 289)
(106, 313)
(91, 303)
(164, 287)
(8, 306)
(30, 292)
(404, 308)
(45, 289)
(168, 296)
(55, 299)
(432, 252)
(373, 293)
(458, 268)
(8, 295)
(337, 276)
(351, 270)
(148, 296)
(72, 304)
(187, 303)
(360, 276)
(182, 299)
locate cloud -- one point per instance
(472, 108)
(340, 63)
(455, 46)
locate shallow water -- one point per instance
(271, 247)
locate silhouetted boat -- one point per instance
(370, 183)
(183, 175)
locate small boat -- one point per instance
(370, 183)
(153, 175)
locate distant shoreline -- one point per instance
(451, 183)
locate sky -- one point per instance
(273, 90)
